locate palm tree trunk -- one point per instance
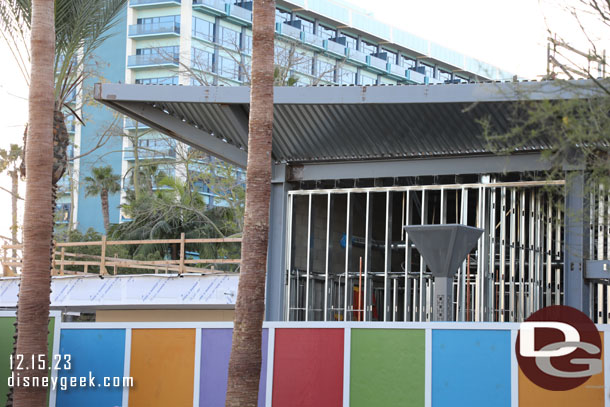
(14, 194)
(34, 292)
(104, 196)
(245, 362)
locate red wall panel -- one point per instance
(308, 368)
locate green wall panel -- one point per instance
(387, 367)
(7, 330)
(6, 347)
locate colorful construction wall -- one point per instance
(310, 364)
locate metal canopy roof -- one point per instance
(334, 123)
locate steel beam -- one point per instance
(417, 167)
(184, 132)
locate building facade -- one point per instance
(209, 42)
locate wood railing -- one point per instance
(66, 261)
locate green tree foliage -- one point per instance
(175, 207)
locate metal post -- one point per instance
(367, 256)
(422, 264)
(328, 251)
(502, 305)
(513, 254)
(549, 250)
(288, 256)
(407, 293)
(463, 270)
(576, 290)
(387, 255)
(308, 258)
(601, 311)
(522, 312)
(348, 245)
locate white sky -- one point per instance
(510, 34)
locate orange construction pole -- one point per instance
(360, 292)
(468, 289)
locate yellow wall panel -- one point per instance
(162, 367)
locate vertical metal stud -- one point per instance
(513, 255)
(522, 311)
(307, 278)
(549, 251)
(328, 250)
(462, 286)
(502, 262)
(289, 254)
(387, 267)
(601, 309)
(408, 307)
(422, 264)
(348, 245)
(531, 270)
(367, 256)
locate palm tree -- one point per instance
(34, 291)
(103, 182)
(245, 362)
(9, 162)
(81, 26)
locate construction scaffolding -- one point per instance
(347, 257)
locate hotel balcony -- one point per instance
(150, 60)
(154, 30)
(153, 3)
(215, 7)
(239, 15)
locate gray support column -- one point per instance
(276, 253)
(576, 238)
(216, 50)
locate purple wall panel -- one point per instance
(215, 353)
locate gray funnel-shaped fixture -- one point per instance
(444, 247)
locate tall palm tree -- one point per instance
(103, 182)
(9, 160)
(245, 362)
(34, 292)
(81, 26)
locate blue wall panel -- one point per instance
(471, 368)
(99, 351)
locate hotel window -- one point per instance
(429, 70)
(367, 80)
(168, 80)
(350, 42)
(228, 68)
(203, 29)
(346, 77)
(407, 62)
(368, 48)
(229, 38)
(202, 60)
(156, 21)
(326, 33)
(392, 56)
(444, 75)
(281, 16)
(302, 63)
(326, 71)
(306, 25)
(247, 45)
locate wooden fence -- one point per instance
(65, 261)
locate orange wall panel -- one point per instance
(162, 367)
(590, 393)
